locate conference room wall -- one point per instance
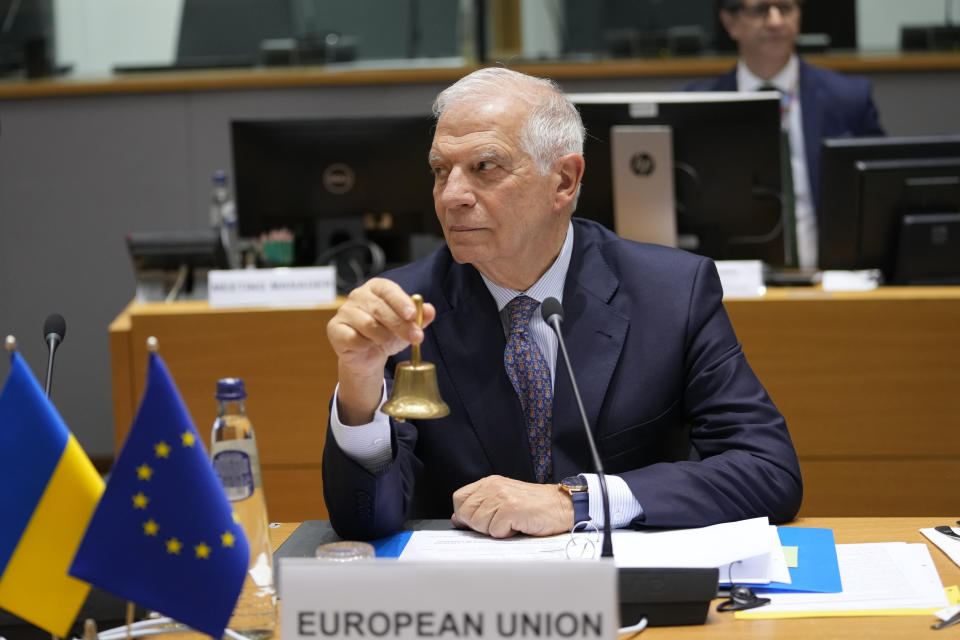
(77, 173)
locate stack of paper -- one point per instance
(883, 578)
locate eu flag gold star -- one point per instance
(140, 501)
(162, 449)
(174, 546)
(227, 539)
(236, 518)
(187, 439)
(150, 527)
(144, 472)
(202, 550)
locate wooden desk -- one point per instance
(723, 626)
(867, 382)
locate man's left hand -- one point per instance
(501, 507)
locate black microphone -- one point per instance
(552, 312)
(54, 329)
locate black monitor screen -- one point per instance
(910, 219)
(336, 180)
(726, 160)
(842, 216)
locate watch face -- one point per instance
(574, 484)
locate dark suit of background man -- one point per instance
(817, 103)
(661, 371)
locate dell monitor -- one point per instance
(858, 228)
(910, 219)
(707, 164)
(337, 181)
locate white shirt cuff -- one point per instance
(367, 444)
(623, 504)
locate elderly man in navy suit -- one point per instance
(816, 103)
(687, 433)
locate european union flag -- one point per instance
(164, 534)
(49, 491)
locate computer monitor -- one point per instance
(174, 264)
(910, 219)
(843, 218)
(726, 164)
(335, 181)
(230, 33)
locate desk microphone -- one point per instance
(54, 329)
(552, 312)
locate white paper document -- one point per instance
(950, 546)
(751, 546)
(875, 576)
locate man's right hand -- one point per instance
(377, 321)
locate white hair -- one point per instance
(553, 127)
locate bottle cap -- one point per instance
(220, 176)
(230, 389)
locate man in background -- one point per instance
(687, 433)
(815, 103)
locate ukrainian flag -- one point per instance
(50, 489)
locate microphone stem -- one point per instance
(52, 345)
(607, 549)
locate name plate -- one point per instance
(283, 286)
(390, 599)
(741, 278)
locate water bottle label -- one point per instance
(238, 469)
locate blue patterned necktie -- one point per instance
(530, 375)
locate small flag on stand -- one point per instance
(164, 534)
(49, 491)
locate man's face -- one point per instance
(764, 29)
(496, 210)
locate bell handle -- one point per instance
(415, 349)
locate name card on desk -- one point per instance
(389, 599)
(283, 286)
(741, 278)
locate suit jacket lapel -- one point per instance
(594, 333)
(471, 341)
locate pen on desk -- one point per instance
(952, 620)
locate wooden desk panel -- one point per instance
(285, 361)
(865, 380)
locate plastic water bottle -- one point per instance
(223, 215)
(233, 449)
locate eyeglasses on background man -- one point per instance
(761, 10)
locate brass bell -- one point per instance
(415, 394)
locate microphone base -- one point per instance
(666, 597)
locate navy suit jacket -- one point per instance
(660, 370)
(833, 105)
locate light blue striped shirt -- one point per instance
(369, 444)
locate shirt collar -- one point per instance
(550, 284)
(786, 79)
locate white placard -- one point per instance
(862, 280)
(741, 278)
(389, 599)
(283, 286)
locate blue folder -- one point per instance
(817, 569)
